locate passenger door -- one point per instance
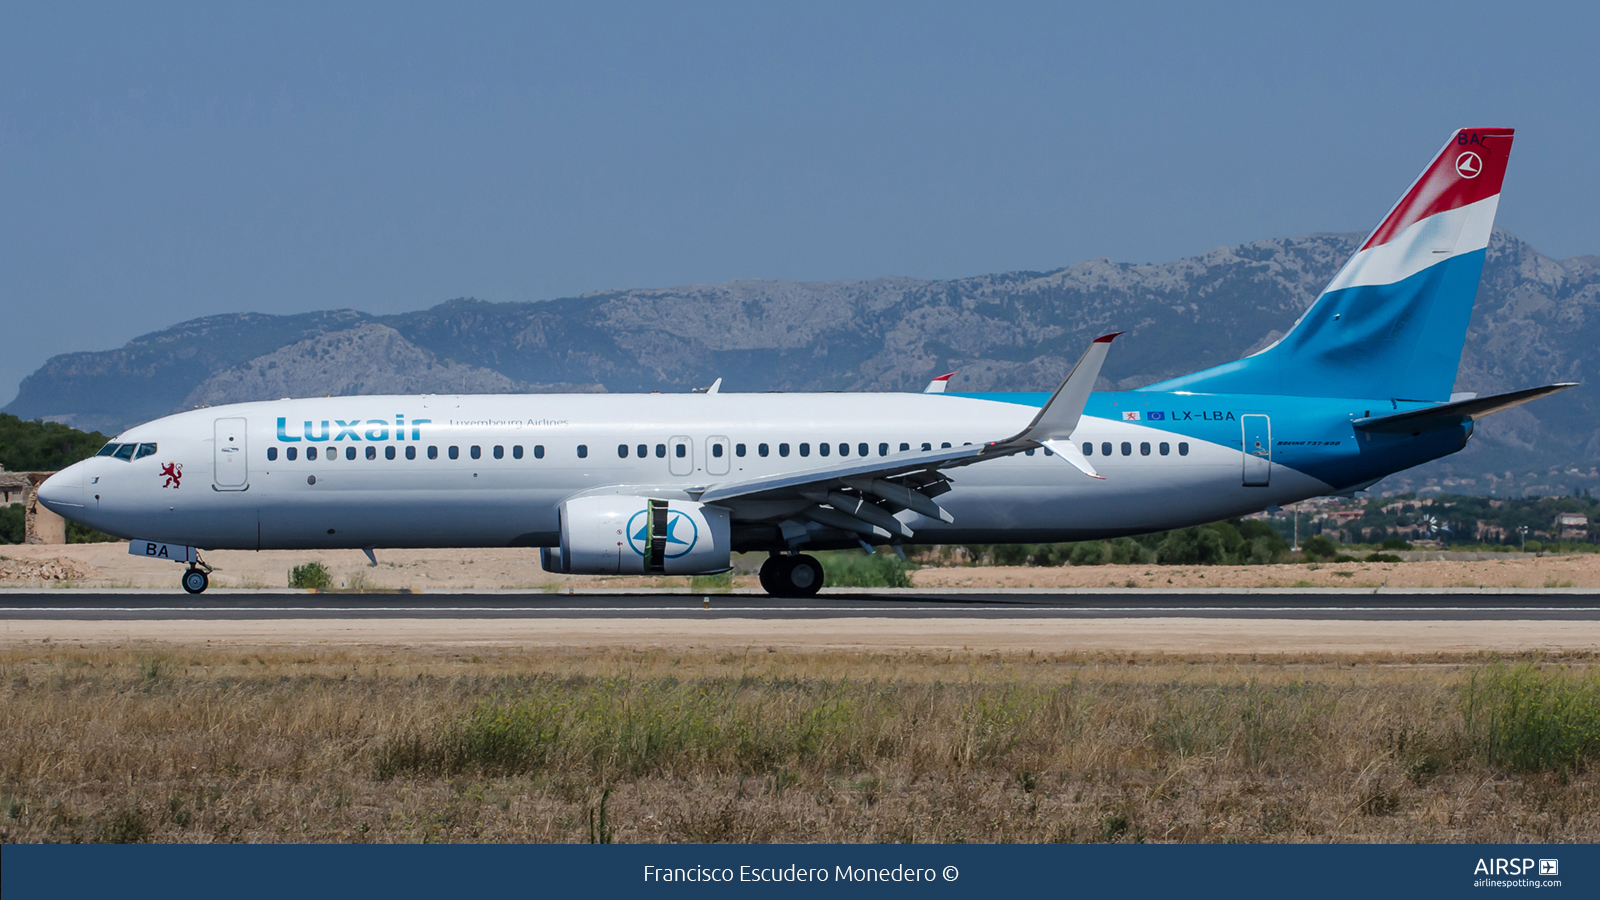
(230, 465)
(680, 456)
(718, 453)
(1257, 450)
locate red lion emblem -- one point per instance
(173, 472)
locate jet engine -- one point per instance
(621, 535)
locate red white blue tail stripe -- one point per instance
(1449, 211)
(1392, 322)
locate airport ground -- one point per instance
(109, 565)
(522, 712)
(194, 739)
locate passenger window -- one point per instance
(388, 452)
(863, 449)
(289, 453)
(1183, 448)
(499, 452)
(349, 453)
(1165, 448)
(272, 453)
(107, 450)
(738, 450)
(823, 449)
(661, 451)
(1127, 449)
(583, 451)
(372, 452)
(1088, 449)
(945, 446)
(883, 449)
(904, 446)
(1144, 448)
(455, 452)
(716, 450)
(145, 450)
(476, 451)
(538, 451)
(805, 449)
(1105, 448)
(622, 451)
(311, 453)
(516, 451)
(761, 450)
(125, 452)
(411, 451)
(433, 452)
(643, 451)
(783, 449)
(680, 450)
(926, 446)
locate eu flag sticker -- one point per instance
(1156, 416)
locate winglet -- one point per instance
(938, 385)
(1060, 414)
(1052, 428)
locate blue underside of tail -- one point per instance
(1400, 340)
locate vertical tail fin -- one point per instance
(1393, 321)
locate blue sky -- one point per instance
(160, 162)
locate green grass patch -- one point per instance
(1529, 719)
(881, 569)
(313, 576)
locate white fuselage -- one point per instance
(517, 457)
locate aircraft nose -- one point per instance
(63, 489)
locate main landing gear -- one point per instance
(791, 576)
(198, 577)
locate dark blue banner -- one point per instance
(30, 872)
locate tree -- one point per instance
(40, 446)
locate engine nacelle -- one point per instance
(619, 535)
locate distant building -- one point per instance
(1571, 526)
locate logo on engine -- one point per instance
(682, 533)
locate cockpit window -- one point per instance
(145, 450)
(108, 449)
(125, 452)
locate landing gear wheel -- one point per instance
(195, 581)
(795, 576)
(771, 573)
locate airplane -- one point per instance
(672, 484)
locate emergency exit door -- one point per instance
(1257, 450)
(230, 466)
(680, 455)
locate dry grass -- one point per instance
(184, 744)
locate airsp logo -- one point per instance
(1468, 165)
(682, 533)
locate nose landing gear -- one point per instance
(198, 577)
(791, 576)
(196, 581)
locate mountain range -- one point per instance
(1537, 320)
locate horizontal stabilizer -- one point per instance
(1447, 415)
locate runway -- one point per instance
(1565, 606)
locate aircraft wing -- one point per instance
(1446, 415)
(864, 495)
